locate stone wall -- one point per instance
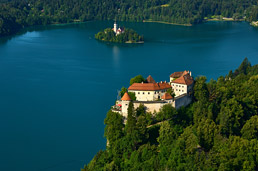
(182, 100)
(150, 106)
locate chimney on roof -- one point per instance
(161, 82)
(142, 82)
(165, 81)
(190, 73)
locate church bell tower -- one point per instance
(115, 27)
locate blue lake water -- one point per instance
(58, 82)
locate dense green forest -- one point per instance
(16, 14)
(128, 36)
(218, 131)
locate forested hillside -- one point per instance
(17, 14)
(218, 131)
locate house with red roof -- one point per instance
(182, 82)
(149, 91)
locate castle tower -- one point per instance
(115, 27)
(125, 103)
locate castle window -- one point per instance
(182, 90)
(138, 92)
(142, 92)
(183, 86)
(148, 92)
(155, 92)
(176, 89)
(179, 90)
(179, 85)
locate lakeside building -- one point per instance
(154, 95)
(182, 82)
(149, 91)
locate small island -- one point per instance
(119, 35)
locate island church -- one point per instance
(118, 30)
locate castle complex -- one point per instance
(154, 95)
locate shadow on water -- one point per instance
(40, 28)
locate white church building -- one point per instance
(118, 30)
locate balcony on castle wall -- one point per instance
(116, 108)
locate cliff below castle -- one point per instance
(218, 131)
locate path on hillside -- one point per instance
(158, 123)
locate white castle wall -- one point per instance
(148, 95)
(155, 106)
(179, 88)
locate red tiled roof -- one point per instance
(166, 96)
(150, 79)
(184, 79)
(178, 74)
(126, 97)
(149, 86)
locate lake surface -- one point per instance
(58, 82)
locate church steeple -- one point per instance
(115, 27)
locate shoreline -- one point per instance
(62, 24)
(223, 19)
(130, 42)
(164, 22)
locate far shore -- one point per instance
(73, 22)
(163, 22)
(223, 19)
(205, 20)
